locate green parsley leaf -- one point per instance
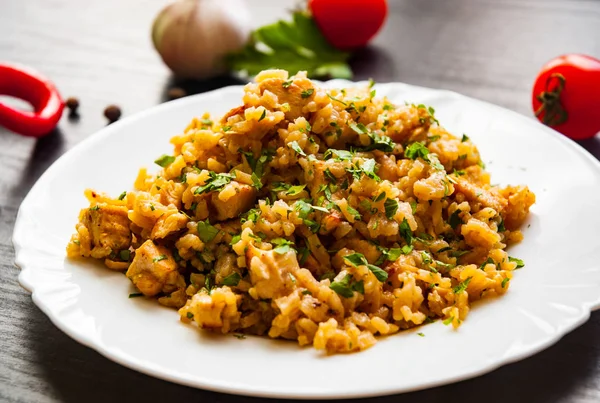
(506, 280)
(368, 168)
(342, 287)
(388, 107)
(329, 175)
(264, 115)
(307, 93)
(372, 94)
(359, 287)
(95, 208)
(306, 292)
(371, 83)
(489, 260)
(206, 232)
(295, 45)
(464, 138)
(135, 295)
(406, 249)
(501, 227)
(340, 155)
(159, 258)
(256, 182)
(215, 182)
(232, 280)
(379, 273)
(462, 286)
(303, 254)
(420, 334)
(328, 275)
(356, 259)
(251, 215)
(445, 249)
(413, 206)
(406, 232)
(122, 195)
(235, 239)
(287, 84)
(353, 212)
(358, 128)
(391, 207)
(164, 160)
(379, 197)
(337, 100)
(190, 315)
(125, 255)
(448, 321)
(454, 220)
(296, 147)
(416, 150)
(239, 336)
(295, 190)
(519, 262)
(283, 245)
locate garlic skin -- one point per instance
(193, 36)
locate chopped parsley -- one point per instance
(307, 93)
(159, 258)
(232, 280)
(454, 220)
(358, 128)
(420, 334)
(306, 292)
(296, 147)
(240, 336)
(125, 255)
(391, 207)
(448, 321)
(519, 262)
(340, 155)
(342, 287)
(506, 280)
(359, 287)
(287, 84)
(379, 197)
(95, 208)
(501, 227)
(418, 150)
(135, 295)
(489, 260)
(235, 239)
(215, 182)
(264, 115)
(337, 100)
(353, 212)
(358, 259)
(122, 195)
(190, 315)
(406, 232)
(464, 138)
(164, 160)
(207, 232)
(462, 286)
(295, 190)
(282, 245)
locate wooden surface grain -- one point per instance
(100, 51)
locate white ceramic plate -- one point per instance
(552, 295)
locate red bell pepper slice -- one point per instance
(25, 83)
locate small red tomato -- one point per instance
(348, 24)
(566, 96)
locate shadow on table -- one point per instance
(78, 374)
(192, 87)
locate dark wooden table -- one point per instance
(100, 51)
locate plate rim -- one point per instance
(244, 390)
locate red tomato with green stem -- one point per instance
(566, 96)
(349, 24)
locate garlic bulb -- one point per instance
(193, 36)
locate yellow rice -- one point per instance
(322, 216)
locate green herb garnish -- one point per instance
(206, 231)
(164, 160)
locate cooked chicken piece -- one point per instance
(234, 206)
(271, 273)
(488, 197)
(238, 110)
(168, 224)
(154, 270)
(519, 198)
(108, 227)
(292, 94)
